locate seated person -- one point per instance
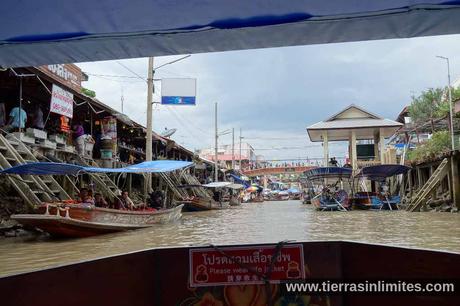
(99, 201)
(156, 200)
(125, 202)
(85, 196)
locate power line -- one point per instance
(127, 68)
(275, 138)
(112, 75)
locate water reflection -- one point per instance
(250, 223)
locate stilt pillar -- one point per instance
(382, 146)
(354, 157)
(326, 149)
(455, 181)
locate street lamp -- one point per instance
(450, 101)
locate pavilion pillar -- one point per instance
(382, 146)
(376, 146)
(354, 157)
(326, 149)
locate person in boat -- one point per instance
(99, 201)
(156, 200)
(125, 202)
(85, 196)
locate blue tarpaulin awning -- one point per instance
(35, 33)
(381, 172)
(239, 180)
(47, 168)
(328, 172)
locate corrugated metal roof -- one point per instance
(353, 123)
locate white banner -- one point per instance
(61, 102)
(178, 91)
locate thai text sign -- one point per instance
(245, 265)
(67, 74)
(61, 102)
(178, 91)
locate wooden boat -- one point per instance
(77, 220)
(331, 198)
(378, 200)
(282, 196)
(257, 200)
(218, 202)
(200, 204)
(171, 276)
(83, 220)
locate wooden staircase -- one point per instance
(105, 185)
(32, 189)
(435, 179)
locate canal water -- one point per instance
(249, 223)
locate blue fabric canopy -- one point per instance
(381, 172)
(239, 180)
(46, 168)
(54, 31)
(325, 172)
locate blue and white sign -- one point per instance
(178, 91)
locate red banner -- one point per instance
(245, 265)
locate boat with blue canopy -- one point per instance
(326, 185)
(83, 219)
(382, 198)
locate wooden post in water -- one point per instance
(409, 174)
(455, 181)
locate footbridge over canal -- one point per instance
(277, 170)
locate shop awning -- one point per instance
(47, 168)
(34, 33)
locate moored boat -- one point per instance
(70, 219)
(383, 199)
(79, 220)
(219, 201)
(331, 196)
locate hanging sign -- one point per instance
(245, 265)
(67, 74)
(61, 102)
(178, 91)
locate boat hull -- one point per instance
(162, 277)
(203, 205)
(86, 222)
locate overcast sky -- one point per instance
(274, 94)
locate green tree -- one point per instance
(437, 145)
(427, 107)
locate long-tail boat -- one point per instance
(332, 196)
(74, 219)
(378, 200)
(217, 202)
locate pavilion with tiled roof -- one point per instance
(352, 124)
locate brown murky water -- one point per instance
(249, 223)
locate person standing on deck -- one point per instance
(18, 118)
(78, 136)
(38, 118)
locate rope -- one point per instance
(265, 276)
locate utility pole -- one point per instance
(450, 102)
(216, 163)
(241, 137)
(233, 148)
(122, 100)
(148, 143)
